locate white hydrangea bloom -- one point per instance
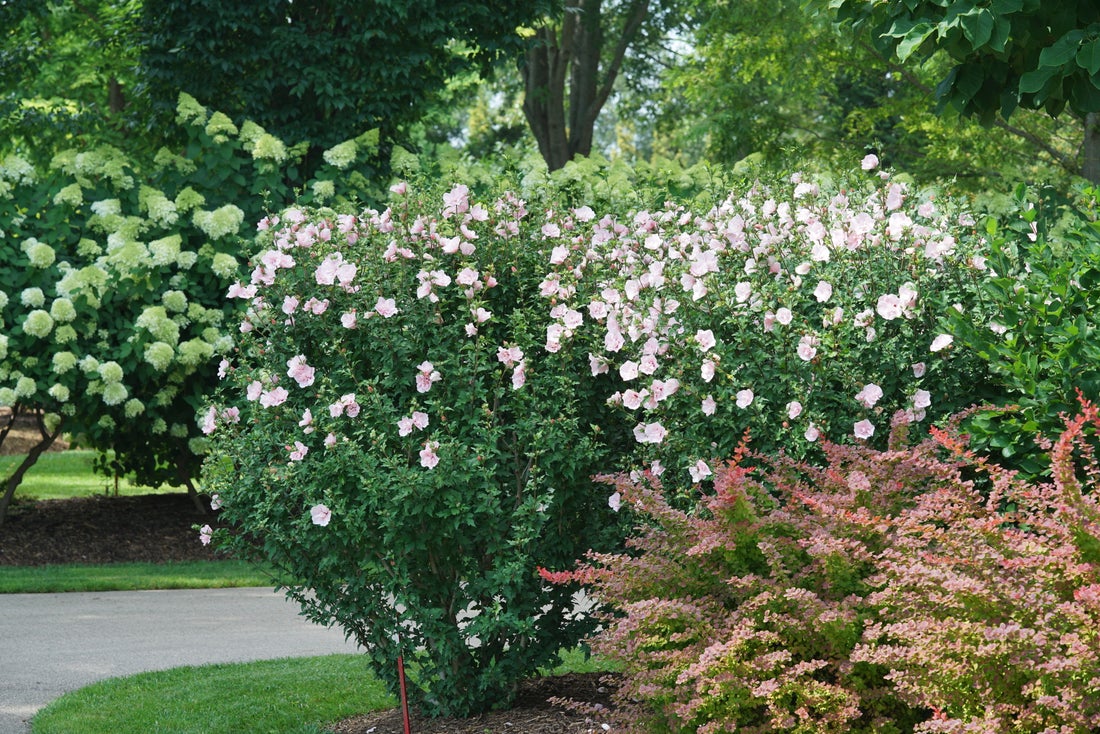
(166, 250)
(154, 319)
(162, 210)
(160, 355)
(89, 364)
(270, 148)
(72, 195)
(38, 323)
(323, 190)
(189, 199)
(220, 126)
(63, 362)
(342, 155)
(60, 393)
(133, 408)
(178, 430)
(25, 387)
(7, 397)
(62, 310)
(224, 220)
(115, 393)
(175, 301)
(111, 372)
(64, 334)
(107, 207)
(224, 266)
(194, 352)
(32, 297)
(187, 259)
(188, 110)
(41, 255)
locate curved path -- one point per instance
(54, 643)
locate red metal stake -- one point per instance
(404, 695)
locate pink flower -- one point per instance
(742, 291)
(812, 433)
(426, 375)
(509, 355)
(823, 292)
(869, 395)
(208, 420)
(276, 396)
(456, 201)
(869, 162)
(320, 515)
(941, 342)
(628, 370)
(399, 188)
(298, 451)
(240, 291)
(404, 426)
(918, 369)
(351, 408)
(420, 419)
(807, 348)
(467, 276)
(205, 534)
(252, 392)
(744, 398)
(290, 304)
(481, 315)
(385, 307)
(709, 406)
(215, 502)
(597, 364)
(558, 255)
(428, 457)
(349, 320)
(705, 339)
(633, 399)
(794, 409)
(614, 501)
(573, 319)
(519, 374)
(889, 307)
(699, 471)
(650, 433)
(330, 440)
(707, 370)
(922, 399)
(299, 371)
(864, 429)
(784, 316)
(316, 307)
(307, 422)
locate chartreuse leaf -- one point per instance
(912, 40)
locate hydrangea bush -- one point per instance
(874, 591)
(112, 285)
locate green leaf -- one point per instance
(913, 40)
(1035, 81)
(1062, 51)
(1088, 56)
(978, 26)
(1002, 29)
(1004, 7)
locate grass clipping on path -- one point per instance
(290, 696)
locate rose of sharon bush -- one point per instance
(789, 293)
(395, 438)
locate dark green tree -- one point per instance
(320, 70)
(1004, 54)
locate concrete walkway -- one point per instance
(54, 643)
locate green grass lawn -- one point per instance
(287, 696)
(59, 475)
(131, 577)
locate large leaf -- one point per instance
(1034, 81)
(913, 40)
(978, 26)
(1062, 51)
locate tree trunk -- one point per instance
(116, 100)
(1090, 168)
(577, 55)
(32, 456)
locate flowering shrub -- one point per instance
(112, 283)
(879, 591)
(394, 437)
(796, 309)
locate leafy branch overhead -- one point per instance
(1007, 53)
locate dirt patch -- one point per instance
(24, 435)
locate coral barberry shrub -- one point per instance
(880, 591)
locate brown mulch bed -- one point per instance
(160, 528)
